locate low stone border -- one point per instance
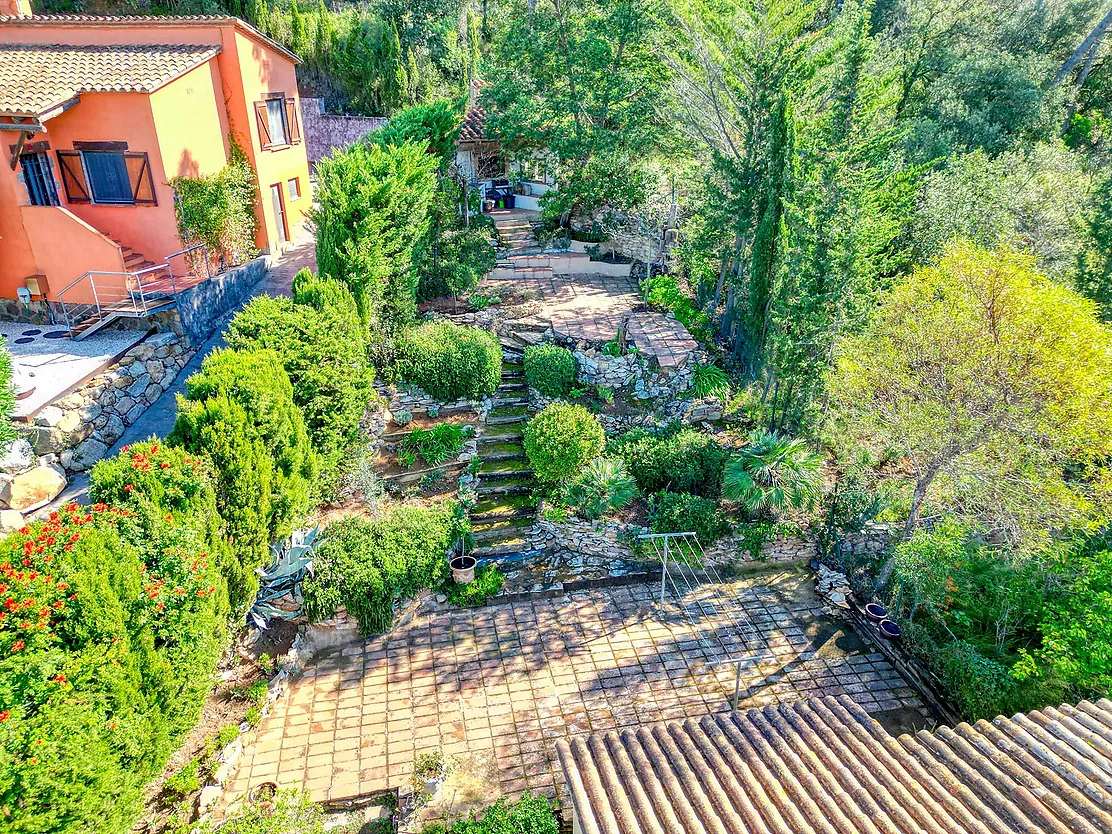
(80, 427)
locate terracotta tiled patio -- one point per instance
(505, 681)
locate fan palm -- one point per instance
(604, 486)
(772, 474)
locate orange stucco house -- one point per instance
(97, 114)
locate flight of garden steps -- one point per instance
(501, 521)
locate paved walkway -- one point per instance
(500, 684)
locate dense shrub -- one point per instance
(371, 212)
(677, 460)
(681, 512)
(604, 486)
(486, 585)
(982, 687)
(168, 489)
(323, 293)
(550, 369)
(239, 412)
(561, 440)
(289, 813)
(366, 565)
(107, 645)
(450, 362)
(529, 815)
(324, 353)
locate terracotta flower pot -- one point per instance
(890, 630)
(876, 612)
(463, 569)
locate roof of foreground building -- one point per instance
(826, 766)
(37, 77)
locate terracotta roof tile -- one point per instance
(474, 125)
(36, 77)
(826, 766)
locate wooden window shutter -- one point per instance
(263, 123)
(73, 177)
(139, 175)
(293, 127)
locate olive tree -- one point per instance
(991, 385)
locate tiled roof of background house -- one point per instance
(146, 21)
(35, 78)
(474, 125)
(824, 766)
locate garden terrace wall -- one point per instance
(78, 429)
(611, 540)
(203, 306)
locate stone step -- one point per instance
(500, 471)
(502, 522)
(501, 507)
(518, 456)
(498, 447)
(506, 419)
(512, 530)
(502, 488)
(527, 338)
(523, 513)
(511, 548)
(509, 402)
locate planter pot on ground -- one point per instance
(876, 612)
(463, 569)
(890, 630)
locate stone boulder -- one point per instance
(83, 455)
(32, 489)
(17, 457)
(10, 521)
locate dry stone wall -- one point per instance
(76, 431)
(324, 133)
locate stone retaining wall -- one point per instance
(631, 372)
(77, 430)
(324, 133)
(203, 306)
(611, 540)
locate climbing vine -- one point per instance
(218, 209)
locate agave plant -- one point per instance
(772, 474)
(604, 486)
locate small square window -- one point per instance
(294, 188)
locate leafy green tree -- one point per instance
(773, 474)
(7, 396)
(983, 373)
(561, 440)
(371, 212)
(582, 80)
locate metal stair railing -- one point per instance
(131, 293)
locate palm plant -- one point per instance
(604, 486)
(772, 474)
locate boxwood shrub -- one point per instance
(450, 362)
(366, 565)
(561, 440)
(681, 512)
(679, 460)
(550, 369)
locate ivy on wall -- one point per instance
(218, 210)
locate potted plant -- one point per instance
(429, 770)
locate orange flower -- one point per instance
(5, 715)
(17, 645)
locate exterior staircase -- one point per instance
(503, 517)
(145, 287)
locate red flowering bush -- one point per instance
(172, 495)
(107, 646)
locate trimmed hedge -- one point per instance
(681, 512)
(366, 565)
(550, 369)
(325, 355)
(679, 461)
(450, 362)
(561, 440)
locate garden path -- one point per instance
(494, 688)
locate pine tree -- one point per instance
(299, 41)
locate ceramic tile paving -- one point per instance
(507, 680)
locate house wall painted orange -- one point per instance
(183, 127)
